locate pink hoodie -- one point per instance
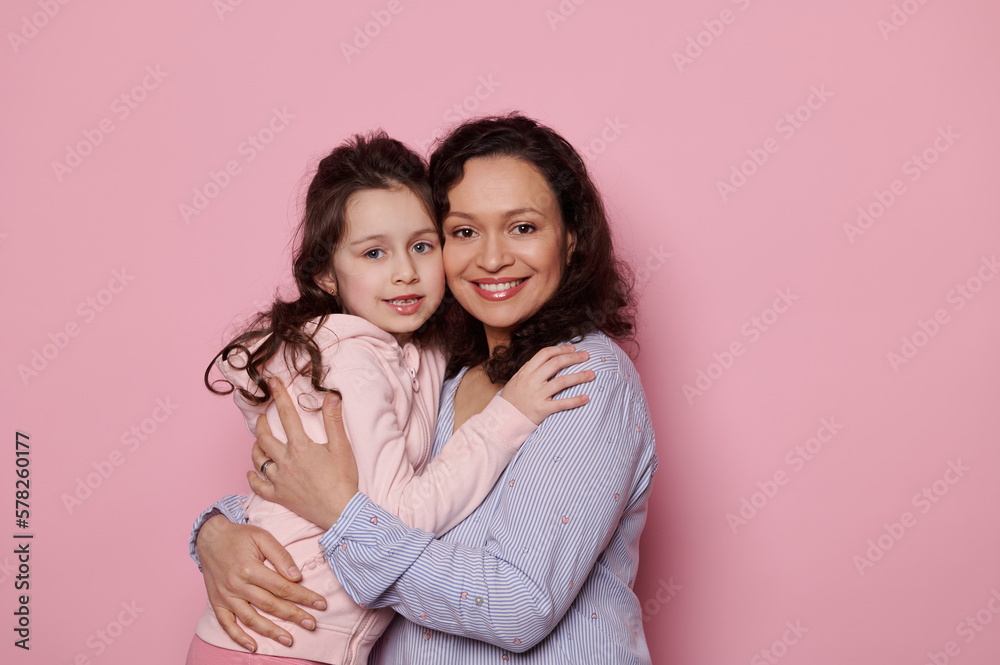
(391, 397)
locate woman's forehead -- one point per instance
(501, 186)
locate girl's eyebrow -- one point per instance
(427, 230)
(381, 237)
(370, 238)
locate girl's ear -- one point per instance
(327, 282)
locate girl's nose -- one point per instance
(405, 272)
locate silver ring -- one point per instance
(263, 467)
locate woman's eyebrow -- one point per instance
(521, 211)
(510, 213)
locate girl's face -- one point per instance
(387, 267)
(505, 243)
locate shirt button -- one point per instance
(479, 600)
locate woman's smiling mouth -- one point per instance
(493, 289)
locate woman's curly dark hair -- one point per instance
(596, 290)
(372, 161)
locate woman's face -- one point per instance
(505, 243)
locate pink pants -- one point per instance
(203, 653)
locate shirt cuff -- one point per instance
(369, 549)
(230, 506)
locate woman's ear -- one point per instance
(570, 246)
(327, 282)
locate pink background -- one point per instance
(660, 134)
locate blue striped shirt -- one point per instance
(542, 571)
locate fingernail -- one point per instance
(333, 400)
(293, 570)
(249, 647)
(270, 382)
(308, 624)
(284, 639)
(320, 605)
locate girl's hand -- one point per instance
(313, 480)
(532, 388)
(238, 583)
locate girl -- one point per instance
(370, 279)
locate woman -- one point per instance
(545, 565)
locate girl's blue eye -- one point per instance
(422, 247)
(374, 253)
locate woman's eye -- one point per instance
(463, 233)
(523, 228)
(374, 254)
(422, 247)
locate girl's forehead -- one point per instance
(385, 212)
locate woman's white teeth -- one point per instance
(503, 286)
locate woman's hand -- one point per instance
(532, 388)
(232, 559)
(313, 480)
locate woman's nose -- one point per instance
(494, 254)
